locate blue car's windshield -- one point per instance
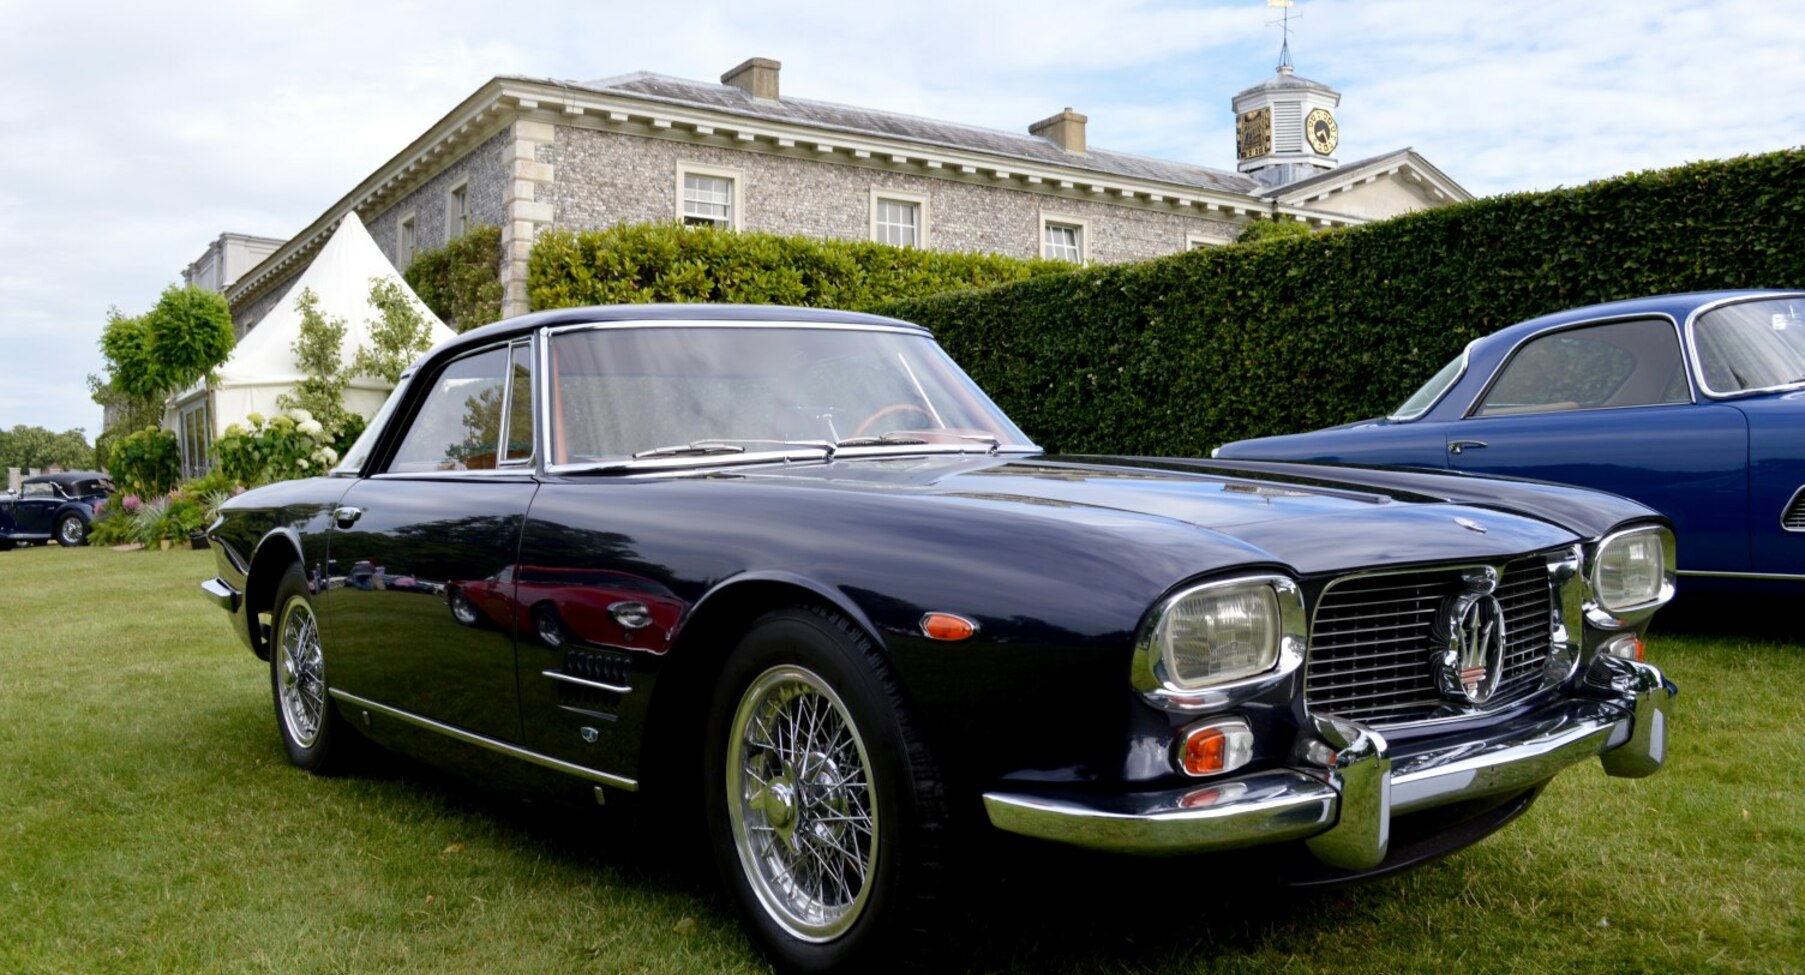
(1431, 391)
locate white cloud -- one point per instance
(136, 133)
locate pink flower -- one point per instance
(131, 502)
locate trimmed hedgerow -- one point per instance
(1176, 355)
(667, 262)
(461, 282)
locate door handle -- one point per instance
(1456, 446)
(346, 516)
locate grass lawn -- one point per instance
(149, 822)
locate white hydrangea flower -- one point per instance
(254, 419)
(310, 426)
(300, 416)
(326, 456)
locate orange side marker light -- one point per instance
(947, 626)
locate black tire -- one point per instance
(463, 610)
(817, 664)
(71, 531)
(6, 544)
(548, 626)
(313, 732)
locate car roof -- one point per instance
(725, 314)
(1677, 306)
(65, 477)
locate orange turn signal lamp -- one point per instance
(1628, 646)
(950, 627)
(1214, 747)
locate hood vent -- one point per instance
(1793, 518)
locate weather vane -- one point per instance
(1285, 26)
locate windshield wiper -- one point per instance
(703, 448)
(881, 440)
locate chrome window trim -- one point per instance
(1563, 657)
(492, 744)
(502, 461)
(902, 329)
(1678, 336)
(1466, 360)
(505, 346)
(1691, 345)
(1148, 674)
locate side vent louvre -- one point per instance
(1793, 519)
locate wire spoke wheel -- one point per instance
(802, 802)
(300, 674)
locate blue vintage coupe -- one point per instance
(58, 506)
(1692, 404)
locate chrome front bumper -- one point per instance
(1343, 811)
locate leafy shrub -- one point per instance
(668, 262)
(461, 282)
(148, 462)
(1263, 230)
(1179, 354)
(278, 448)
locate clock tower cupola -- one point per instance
(1285, 127)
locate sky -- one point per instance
(133, 134)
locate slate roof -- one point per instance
(831, 116)
(1283, 81)
(1334, 175)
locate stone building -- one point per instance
(527, 154)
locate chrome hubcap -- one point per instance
(802, 803)
(301, 674)
(71, 531)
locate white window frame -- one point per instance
(918, 200)
(1049, 218)
(1195, 240)
(457, 224)
(407, 239)
(736, 207)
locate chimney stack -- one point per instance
(756, 77)
(1065, 130)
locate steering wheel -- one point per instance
(871, 420)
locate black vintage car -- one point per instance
(807, 578)
(61, 506)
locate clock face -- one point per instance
(1253, 133)
(1321, 131)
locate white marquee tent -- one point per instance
(262, 367)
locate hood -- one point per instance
(1309, 518)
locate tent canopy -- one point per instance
(262, 368)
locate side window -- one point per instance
(519, 449)
(458, 425)
(1593, 368)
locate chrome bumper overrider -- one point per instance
(223, 595)
(1343, 811)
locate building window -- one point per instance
(1063, 239)
(899, 219)
(457, 211)
(405, 242)
(196, 437)
(707, 197)
(1197, 242)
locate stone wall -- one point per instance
(605, 178)
(244, 317)
(488, 175)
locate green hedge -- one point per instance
(461, 282)
(1176, 355)
(667, 262)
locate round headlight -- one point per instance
(1632, 570)
(1216, 634)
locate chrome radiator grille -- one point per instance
(1374, 640)
(1793, 518)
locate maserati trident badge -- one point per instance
(1470, 525)
(1470, 667)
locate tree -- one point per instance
(318, 353)
(36, 447)
(187, 334)
(131, 368)
(398, 335)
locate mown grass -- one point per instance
(149, 823)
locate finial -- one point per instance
(1285, 66)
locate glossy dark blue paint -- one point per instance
(34, 519)
(1721, 469)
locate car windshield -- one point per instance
(1431, 391)
(1752, 345)
(700, 391)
